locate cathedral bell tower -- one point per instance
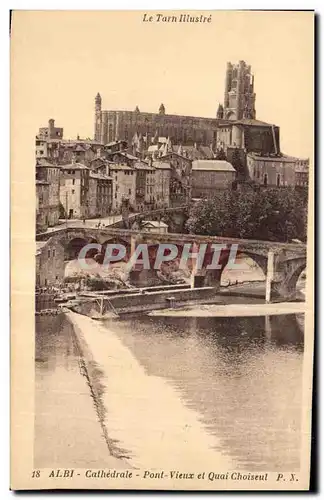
(97, 124)
(239, 99)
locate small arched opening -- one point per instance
(297, 281)
(247, 269)
(74, 247)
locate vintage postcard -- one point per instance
(162, 169)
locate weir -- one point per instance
(98, 305)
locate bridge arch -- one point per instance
(294, 277)
(213, 277)
(254, 268)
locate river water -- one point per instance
(235, 382)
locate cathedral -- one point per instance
(236, 115)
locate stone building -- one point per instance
(49, 263)
(42, 205)
(50, 173)
(277, 171)
(64, 152)
(145, 186)
(50, 132)
(74, 190)
(99, 195)
(209, 176)
(50, 145)
(162, 183)
(180, 178)
(123, 125)
(124, 186)
(249, 135)
(154, 226)
(44, 135)
(301, 172)
(141, 128)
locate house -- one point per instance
(100, 195)
(162, 183)
(74, 190)
(277, 171)
(123, 186)
(180, 178)
(42, 205)
(145, 185)
(49, 263)
(209, 176)
(153, 226)
(50, 173)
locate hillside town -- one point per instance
(144, 161)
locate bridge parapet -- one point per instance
(290, 250)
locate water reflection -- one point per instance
(242, 375)
(67, 431)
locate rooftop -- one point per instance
(73, 142)
(120, 166)
(252, 122)
(161, 165)
(154, 223)
(214, 165)
(75, 166)
(150, 114)
(122, 153)
(142, 165)
(114, 143)
(278, 158)
(44, 163)
(101, 177)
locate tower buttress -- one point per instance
(98, 120)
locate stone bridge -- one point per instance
(289, 259)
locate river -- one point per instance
(234, 384)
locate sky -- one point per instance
(61, 59)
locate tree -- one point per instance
(267, 214)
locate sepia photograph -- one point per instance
(162, 192)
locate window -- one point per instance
(129, 191)
(73, 191)
(53, 252)
(73, 181)
(278, 180)
(48, 253)
(265, 179)
(115, 196)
